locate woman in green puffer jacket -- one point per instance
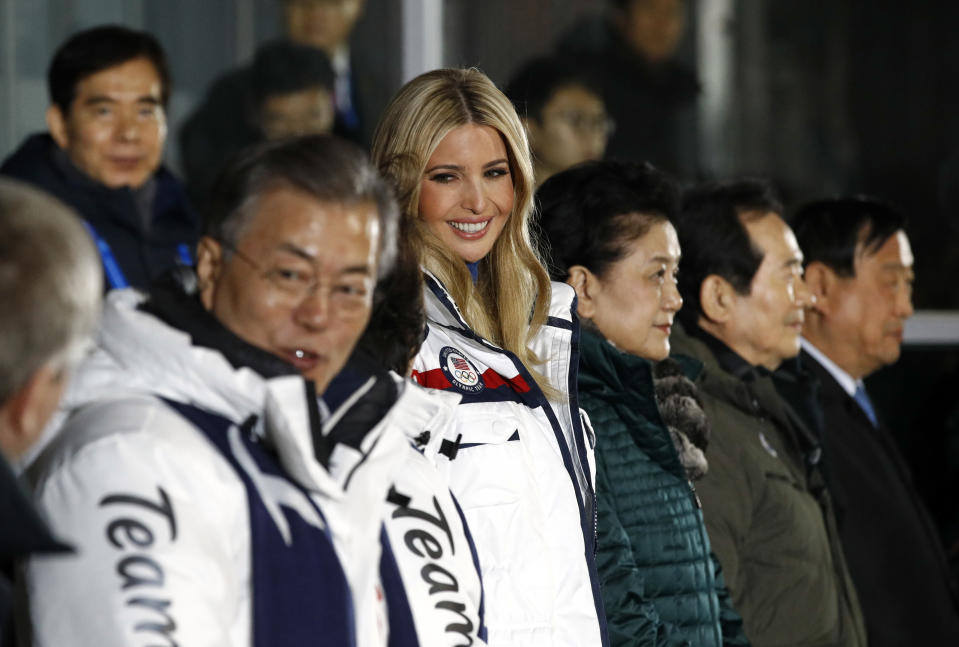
(607, 233)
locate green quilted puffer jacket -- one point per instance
(660, 582)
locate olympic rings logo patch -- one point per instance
(460, 371)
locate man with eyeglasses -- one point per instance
(563, 114)
(192, 471)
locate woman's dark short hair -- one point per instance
(714, 238)
(589, 213)
(330, 169)
(93, 50)
(831, 231)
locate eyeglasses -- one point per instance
(294, 282)
(584, 123)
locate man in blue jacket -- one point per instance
(103, 153)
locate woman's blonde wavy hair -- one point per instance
(509, 301)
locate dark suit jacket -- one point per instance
(892, 548)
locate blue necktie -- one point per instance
(344, 103)
(862, 398)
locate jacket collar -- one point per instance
(728, 359)
(150, 349)
(606, 365)
(439, 305)
(756, 397)
(606, 369)
(749, 390)
(173, 301)
(378, 396)
(24, 531)
(846, 381)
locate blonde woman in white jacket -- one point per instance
(503, 338)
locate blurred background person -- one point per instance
(859, 267)
(50, 287)
(103, 153)
(607, 228)
(292, 91)
(563, 113)
(631, 55)
(770, 518)
(225, 121)
(287, 91)
(327, 25)
(501, 336)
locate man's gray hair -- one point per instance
(330, 169)
(50, 285)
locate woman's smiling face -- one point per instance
(466, 194)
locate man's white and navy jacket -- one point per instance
(429, 570)
(192, 478)
(523, 475)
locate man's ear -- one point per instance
(821, 281)
(586, 285)
(25, 413)
(57, 125)
(716, 298)
(209, 265)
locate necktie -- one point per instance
(344, 101)
(862, 398)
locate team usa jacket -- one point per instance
(205, 504)
(523, 475)
(430, 540)
(429, 570)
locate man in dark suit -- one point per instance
(859, 267)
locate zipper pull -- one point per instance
(692, 490)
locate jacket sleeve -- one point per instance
(631, 619)
(161, 538)
(729, 619)
(365, 472)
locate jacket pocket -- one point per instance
(494, 480)
(490, 466)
